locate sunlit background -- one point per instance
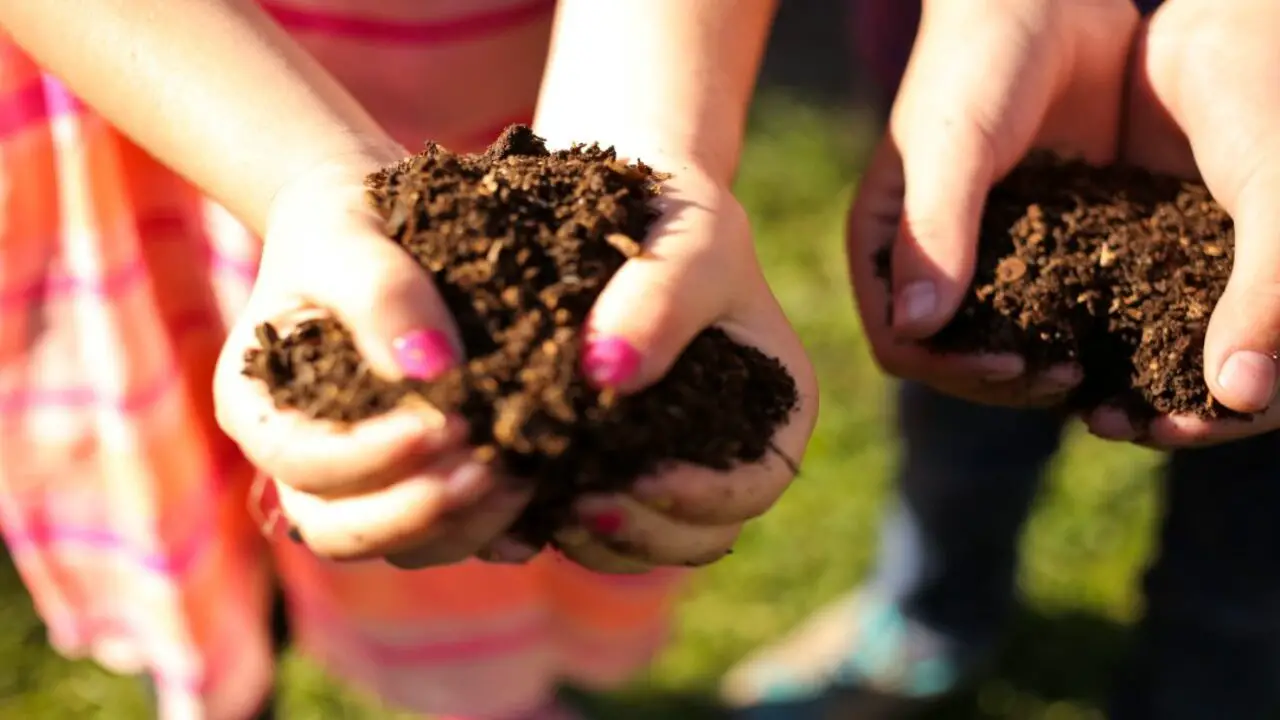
(1084, 548)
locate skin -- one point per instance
(1178, 92)
(403, 486)
(988, 81)
(1201, 105)
(675, 94)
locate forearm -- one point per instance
(212, 88)
(668, 78)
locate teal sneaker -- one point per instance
(858, 657)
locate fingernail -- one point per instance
(605, 522)
(1064, 376)
(1112, 424)
(510, 552)
(423, 354)
(468, 483)
(1251, 377)
(1057, 380)
(1001, 368)
(609, 362)
(916, 303)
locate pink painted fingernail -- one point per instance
(423, 354)
(609, 362)
(607, 522)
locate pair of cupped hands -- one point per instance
(405, 486)
(1192, 90)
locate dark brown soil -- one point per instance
(1114, 268)
(520, 242)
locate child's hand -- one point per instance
(699, 268)
(400, 485)
(1205, 100)
(988, 80)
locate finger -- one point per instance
(632, 530)
(467, 533)
(1112, 423)
(507, 550)
(378, 291)
(394, 519)
(1046, 389)
(318, 457)
(1218, 88)
(698, 494)
(1181, 431)
(577, 545)
(703, 496)
(1244, 330)
(971, 101)
(659, 300)
(992, 378)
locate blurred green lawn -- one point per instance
(1084, 548)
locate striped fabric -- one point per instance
(126, 510)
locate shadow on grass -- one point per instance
(1065, 662)
(1067, 659)
(648, 705)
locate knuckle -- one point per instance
(730, 500)
(377, 292)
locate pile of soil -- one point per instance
(1115, 268)
(520, 242)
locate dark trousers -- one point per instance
(1209, 644)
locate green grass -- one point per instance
(1084, 547)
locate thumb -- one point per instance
(386, 299)
(1207, 68)
(988, 79)
(659, 300)
(1244, 332)
(971, 101)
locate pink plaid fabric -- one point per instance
(124, 506)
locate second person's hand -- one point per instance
(988, 81)
(1205, 102)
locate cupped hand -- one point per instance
(698, 269)
(402, 485)
(988, 81)
(1204, 103)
